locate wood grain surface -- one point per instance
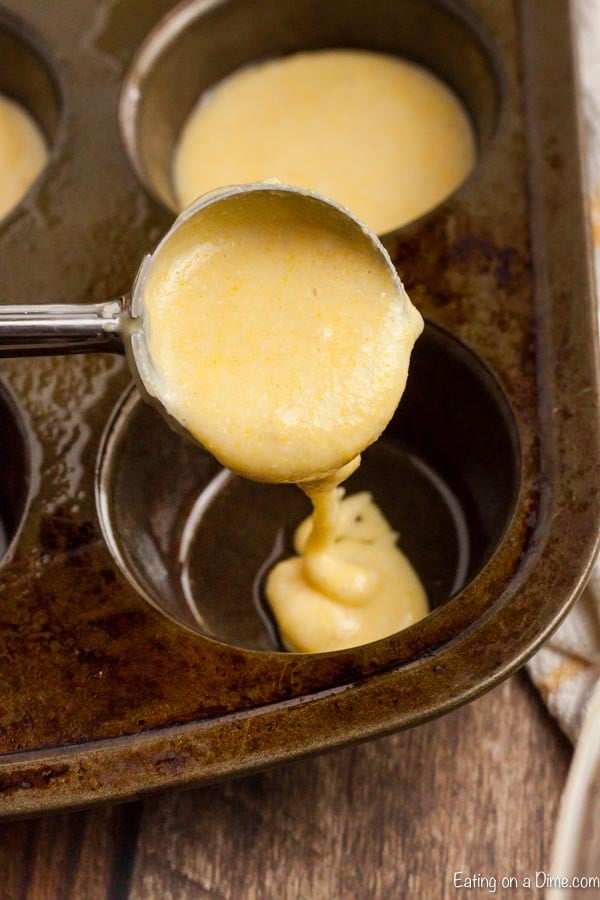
(475, 791)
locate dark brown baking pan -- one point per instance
(135, 652)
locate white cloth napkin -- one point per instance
(567, 667)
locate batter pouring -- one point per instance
(281, 340)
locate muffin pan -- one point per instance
(135, 652)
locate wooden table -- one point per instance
(476, 791)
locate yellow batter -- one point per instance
(23, 154)
(380, 135)
(350, 583)
(282, 341)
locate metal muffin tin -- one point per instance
(103, 696)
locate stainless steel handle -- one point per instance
(60, 328)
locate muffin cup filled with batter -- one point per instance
(351, 102)
(380, 135)
(29, 113)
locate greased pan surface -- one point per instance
(104, 697)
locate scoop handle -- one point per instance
(49, 329)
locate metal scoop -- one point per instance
(119, 325)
